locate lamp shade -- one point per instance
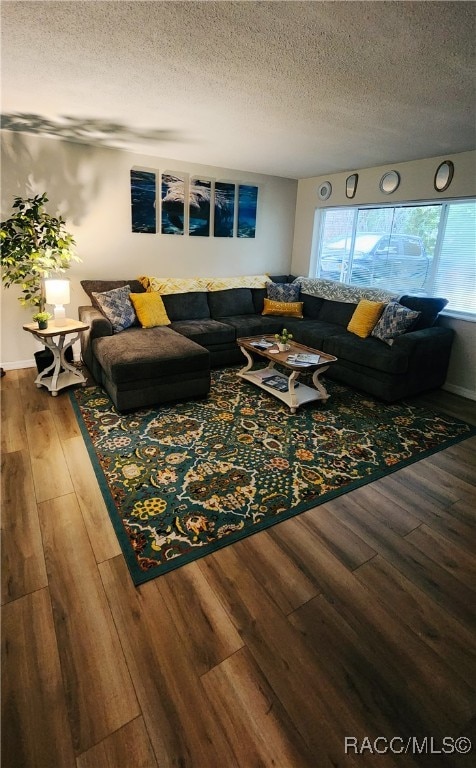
(57, 291)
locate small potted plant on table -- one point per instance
(42, 319)
(283, 339)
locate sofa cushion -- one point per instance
(148, 353)
(311, 305)
(150, 309)
(394, 321)
(365, 317)
(254, 325)
(283, 291)
(429, 307)
(117, 307)
(101, 286)
(282, 308)
(186, 306)
(205, 331)
(258, 295)
(369, 352)
(338, 312)
(232, 301)
(281, 278)
(312, 333)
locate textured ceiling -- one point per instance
(293, 89)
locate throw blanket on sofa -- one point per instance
(349, 294)
(168, 285)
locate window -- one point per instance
(427, 249)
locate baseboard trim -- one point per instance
(19, 364)
(461, 391)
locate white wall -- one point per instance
(90, 188)
(416, 184)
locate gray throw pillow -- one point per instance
(288, 292)
(394, 321)
(117, 307)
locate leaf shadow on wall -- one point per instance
(86, 130)
(67, 167)
(64, 171)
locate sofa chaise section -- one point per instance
(156, 365)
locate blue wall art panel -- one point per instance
(173, 204)
(224, 209)
(247, 204)
(143, 201)
(199, 207)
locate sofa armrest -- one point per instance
(427, 348)
(99, 325)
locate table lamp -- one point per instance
(57, 293)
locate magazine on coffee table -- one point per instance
(303, 359)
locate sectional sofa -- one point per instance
(146, 366)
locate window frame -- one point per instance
(318, 234)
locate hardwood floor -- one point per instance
(355, 619)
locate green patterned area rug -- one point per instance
(183, 480)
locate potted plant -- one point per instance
(34, 245)
(283, 339)
(42, 319)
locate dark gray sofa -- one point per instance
(141, 367)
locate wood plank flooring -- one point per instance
(355, 619)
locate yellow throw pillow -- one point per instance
(365, 317)
(284, 308)
(149, 309)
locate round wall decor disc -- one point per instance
(444, 175)
(389, 182)
(325, 191)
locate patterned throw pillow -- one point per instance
(150, 309)
(283, 291)
(395, 320)
(283, 308)
(116, 306)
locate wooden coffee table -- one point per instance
(295, 395)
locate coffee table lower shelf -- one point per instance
(295, 396)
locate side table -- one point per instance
(54, 338)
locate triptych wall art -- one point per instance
(199, 207)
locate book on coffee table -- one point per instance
(261, 344)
